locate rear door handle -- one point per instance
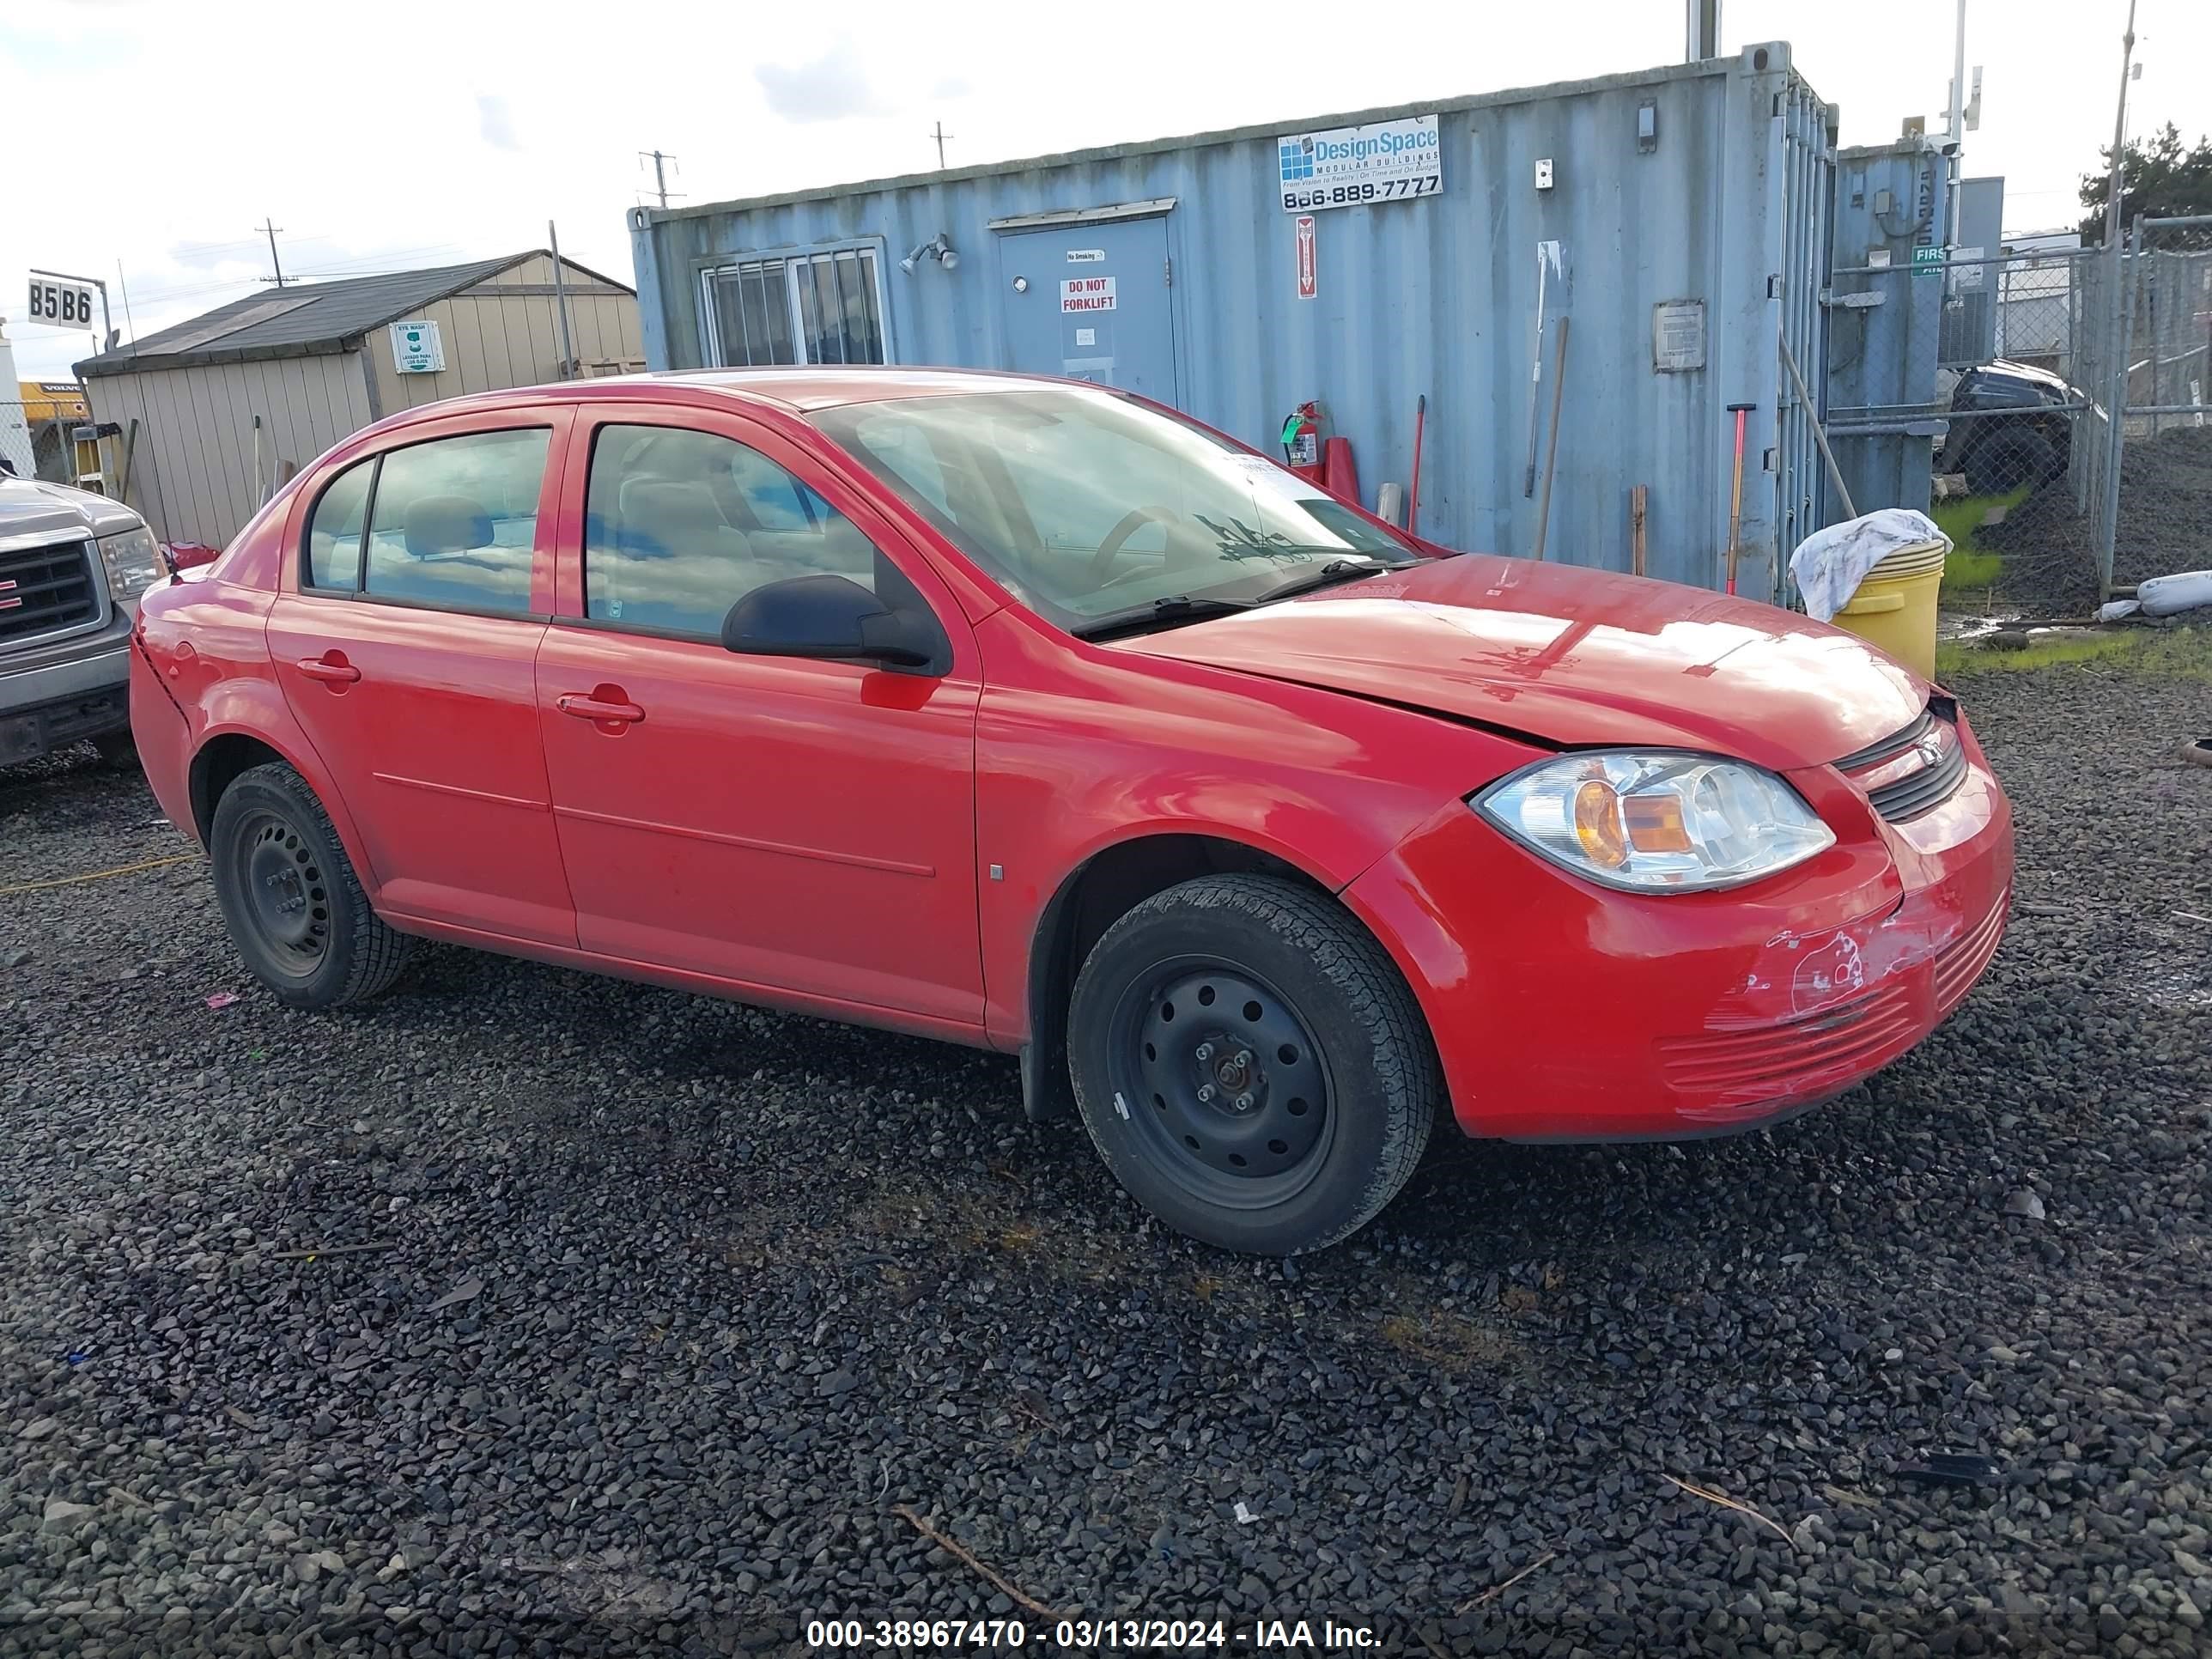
(338, 672)
(587, 708)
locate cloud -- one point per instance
(952, 86)
(830, 89)
(494, 124)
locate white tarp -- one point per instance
(1829, 564)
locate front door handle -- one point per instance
(331, 668)
(600, 705)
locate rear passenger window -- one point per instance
(679, 526)
(334, 532)
(454, 521)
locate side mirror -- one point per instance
(834, 619)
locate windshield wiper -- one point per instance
(1174, 608)
(1336, 570)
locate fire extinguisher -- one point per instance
(1302, 435)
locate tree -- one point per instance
(2159, 179)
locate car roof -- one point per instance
(800, 390)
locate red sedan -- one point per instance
(1029, 715)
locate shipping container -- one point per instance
(1660, 231)
(1888, 286)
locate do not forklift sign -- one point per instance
(1087, 294)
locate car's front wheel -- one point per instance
(290, 898)
(1250, 1064)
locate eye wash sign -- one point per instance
(1347, 167)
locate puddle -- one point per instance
(2178, 990)
(1971, 629)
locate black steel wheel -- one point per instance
(1250, 1064)
(289, 897)
(1238, 1093)
(288, 901)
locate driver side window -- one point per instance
(681, 525)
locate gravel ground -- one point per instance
(658, 1310)
(2165, 526)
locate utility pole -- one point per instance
(275, 263)
(561, 301)
(941, 135)
(1955, 134)
(2119, 137)
(1702, 30)
(1955, 128)
(659, 174)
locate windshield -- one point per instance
(1086, 506)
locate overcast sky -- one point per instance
(160, 133)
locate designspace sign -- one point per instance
(1346, 167)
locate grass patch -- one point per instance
(1451, 1344)
(1969, 565)
(2160, 652)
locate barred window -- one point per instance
(804, 308)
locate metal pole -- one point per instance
(1552, 444)
(123, 282)
(2107, 526)
(661, 179)
(1702, 30)
(1819, 437)
(275, 263)
(2115, 406)
(1957, 128)
(561, 303)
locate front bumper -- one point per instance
(1563, 1011)
(57, 703)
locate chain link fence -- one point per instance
(34, 440)
(2005, 403)
(2171, 333)
(16, 447)
(2138, 501)
(2067, 410)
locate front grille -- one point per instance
(45, 589)
(1911, 771)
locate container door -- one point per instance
(1093, 305)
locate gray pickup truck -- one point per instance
(72, 567)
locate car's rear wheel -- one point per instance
(290, 898)
(1250, 1064)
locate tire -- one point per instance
(290, 898)
(1294, 1098)
(2009, 460)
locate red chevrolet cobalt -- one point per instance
(1033, 716)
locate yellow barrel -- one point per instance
(1895, 606)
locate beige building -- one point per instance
(213, 415)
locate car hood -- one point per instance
(1572, 657)
(28, 507)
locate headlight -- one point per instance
(1657, 822)
(134, 564)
